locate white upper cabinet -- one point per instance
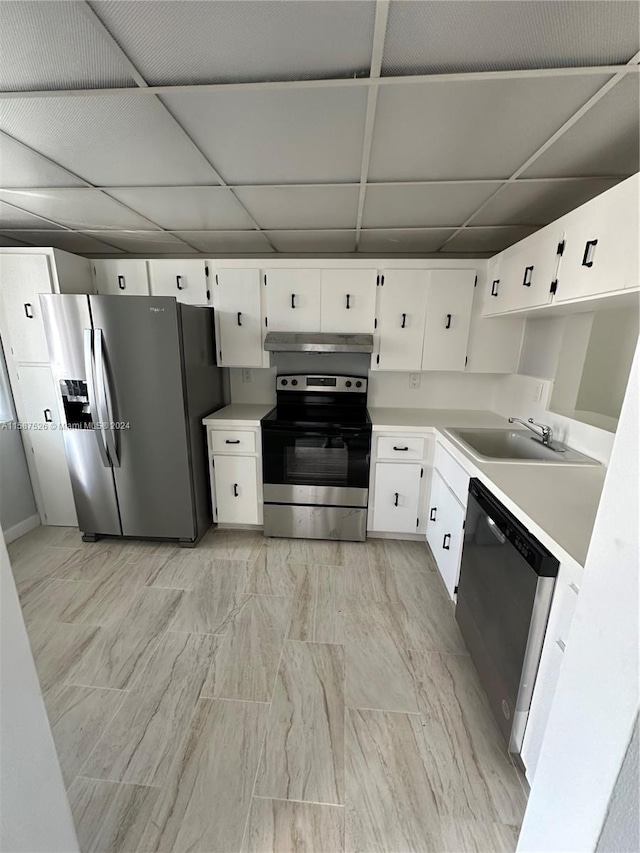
(601, 244)
(527, 271)
(121, 277)
(185, 279)
(449, 306)
(348, 301)
(401, 309)
(22, 279)
(238, 317)
(292, 300)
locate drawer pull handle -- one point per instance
(179, 282)
(121, 282)
(395, 502)
(239, 318)
(28, 310)
(403, 325)
(232, 441)
(432, 513)
(293, 300)
(561, 645)
(494, 287)
(348, 298)
(574, 588)
(400, 448)
(235, 490)
(47, 416)
(528, 275)
(587, 258)
(448, 323)
(446, 544)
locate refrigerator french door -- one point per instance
(136, 376)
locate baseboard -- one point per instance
(405, 537)
(18, 530)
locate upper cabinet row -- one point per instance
(184, 279)
(590, 252)
(420, 318)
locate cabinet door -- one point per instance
(293, 300)
(527, 271)
(402, 302)
(236, 487)
(186, 280)
(397, 497)
(446, 333)
(494, 301)
(121, 277)
(445, 528)
(601, 250)
(22, 279)
(236, 297)
(348, 301)
(37, 404)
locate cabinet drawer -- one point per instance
(452, 473)
(233, 441)
(404, 447)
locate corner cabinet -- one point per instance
(235, 467)
(238, 317)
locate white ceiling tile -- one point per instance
(313, 241)
(21, 167)
(13, 217)
(603, 142)
(220, 242)
(540, 202)
(186, 208)
(422, 205)
(117, 140)
(53, 45)
(141, 242)
(487, 239)
(69, 241)
(484, 35)
(301, 207)
(277, 136)
(392, 241)
(81, 209)
(178, 42)
(476, 129)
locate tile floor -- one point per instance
(263, 695)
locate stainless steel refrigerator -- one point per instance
(136, 375)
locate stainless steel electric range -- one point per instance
(316, 448)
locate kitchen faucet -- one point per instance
(546, 434)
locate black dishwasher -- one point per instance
(506, 585)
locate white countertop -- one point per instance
(248, 414)
(556, 502)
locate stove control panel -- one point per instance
(321, 382)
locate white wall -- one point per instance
(621, 828)
(33, 801)
(597, 697)
(541, 346)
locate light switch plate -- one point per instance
(247, 374)
(414, 380)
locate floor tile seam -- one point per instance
(104, 731)
(301, 802)
(111, 782)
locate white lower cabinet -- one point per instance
(236, 488)
(445, 531)
(396, 505)
(37, 405)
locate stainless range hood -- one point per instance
(317, 342)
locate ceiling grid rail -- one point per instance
(567, 125)
(143, 86)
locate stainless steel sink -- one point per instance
(512, 445)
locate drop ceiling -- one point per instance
(254, 127)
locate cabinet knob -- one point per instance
(397, 496)
(239, 318)
(121, 282)
(587, 258)
(348, 298)
(432, 513)
(400, 448)
(235, 490)
(179, 284)
(447, 325)
(293, 300)
(28, 310)
(47, 416)
(528, 275)
(232, 441)
(494, 287)
(403, 325)
(446, 542)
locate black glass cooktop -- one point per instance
(318, 416)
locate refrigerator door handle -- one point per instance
(104, 399)
(91, 391)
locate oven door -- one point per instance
(324, 466)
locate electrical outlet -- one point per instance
(414, 380)
(537, 396)
(247, 374)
